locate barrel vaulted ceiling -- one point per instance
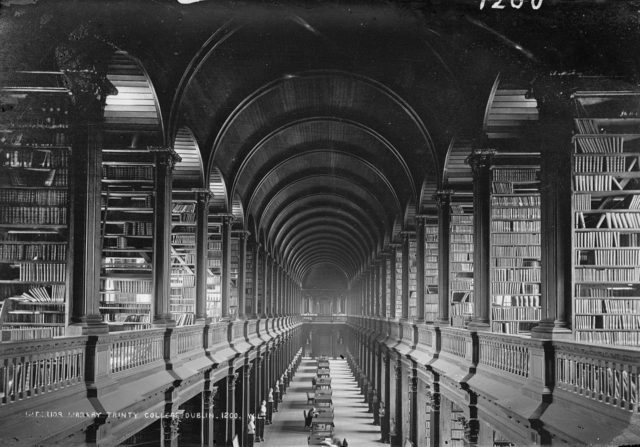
(325, 125)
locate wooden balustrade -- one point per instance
(33, 368)
(454, 342)
(237, 331)
(425, 336)
(604, 374)
(217, 333)
(188, 338)
(505, 353)
(131, 349)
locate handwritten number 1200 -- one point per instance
(515, 4)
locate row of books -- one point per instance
(516, 313)
(461, 256)
(581, 202)
(515, 175)
(518, 226)
(622, 274)
(596, 182)
(58, 178)
(133, 287)
(183, 293)
(511, 239)
(461, 284)
(183, 239)
(525, 274)
(606, 239)
(461, 247)
(27, 251)
(49, 294)
(214, 246)
(606, 291)
(514, 262)
(602, 163)
(514, 288)
(600, 306)
(516, 213)
(184, 280)
(461, 237)
(462, 308)
(528, 200)
(630, 338)
(615, 220)
(34, 158)
(44, 138)
(42, 272)
(462, 267)
(180, 208)
(31, 333)
(465, 219)
(34, 197)
(132, 305)
(621, 322)
(135, 172)
(462, 229)
(516, 300)
(511, 327)
(609, 257)
(597, 144)
(35, 317)
(137, 228)
(39, 215)
(185, 319)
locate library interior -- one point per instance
(290, 223)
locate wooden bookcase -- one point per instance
(235, 271)
(128, 178)
(214, 272)
(398, 284)
(515, 246)
(413, 270)
(431, 272)
(457, 426)
(182, 300)
(35, 153)
(606, 218)
(461, 260)
(248, 281)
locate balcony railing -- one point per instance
(132, 349)
(606, 375)
(504, 353)
(33, 368)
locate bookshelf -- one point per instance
(235, 271)
(35, 152)
(182, 299)
(413, 271)
(515, 247)
(388, 285)
(248, 280)
(127, 238)
(214, 272)
(431, 272)
(461, 260)
(606, 218)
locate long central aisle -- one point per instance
(351, 417)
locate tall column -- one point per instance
(554, 132)
(242, 273)
(256, 278)
(481, 161)
(230, 425)
(396, 415)
(269, 279)
(264, 269)
(202, 237)
(86, 165)
(392, 279)
(443, 201)
(243, 415)
(376, 287)
(405, 275)
(83, 62)
(209, 399)
(225, 281)
(420, 241)
(383, 284)
(165, 159)
(413, 406)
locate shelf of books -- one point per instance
(249, 289)
(431, 272)
(515, 247)
(413, 305)
(461, 260)
(388, 285)
(34, 207)
(606, 218)
(182, 300)
(214, 272)
(235, 269)
(127, 238)
(398, 284)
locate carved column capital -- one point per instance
(203, 196)
(166, 156)
(442, 197)
(481, 160)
